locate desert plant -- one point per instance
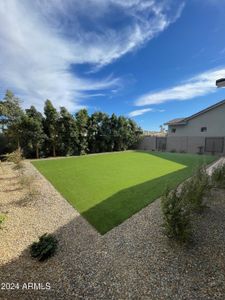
(19, 166)
(2, 219)
(45, 247)
(193, 190)
(30, 196)
(26, 181)
(16, 156)
(218, 176)
(176, 216)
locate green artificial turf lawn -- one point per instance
(109, 188)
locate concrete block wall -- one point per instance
(194, 143)
(147, 143)
(185, 143)
(178, 143)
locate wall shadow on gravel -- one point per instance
(73, 237)
(90, 266)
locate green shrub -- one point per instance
(218, 176)
(178, 205)
(83, 152)
(194, 190)
(173, 150)
(44, 248)
(2, 219)
(176, 216)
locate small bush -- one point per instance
(19, 166)
(44, 248)
(16, 156)
(194, 190)
(83, 152)
(26, 181)
(173, 150)
(28, 184)
(176, 216)
(218, 176)
(2, 219)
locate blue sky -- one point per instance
(152, 60)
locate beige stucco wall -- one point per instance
(185, 143)
(214, 120)
(194, 143)
(179, 143)
(147, 143)
(176, 143)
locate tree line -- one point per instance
(59, 133)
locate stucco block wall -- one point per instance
(185, 143)
(194, 143)
(176, 143)
(213, 119)
(180, 143)
(147, 143)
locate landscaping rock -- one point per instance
(132, 261)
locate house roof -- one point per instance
(177, 121)
(183, 121)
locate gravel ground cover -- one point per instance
(132, 261)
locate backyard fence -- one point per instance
(214, 145)
(194, 144)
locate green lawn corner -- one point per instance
(109, 188)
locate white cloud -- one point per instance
(140, 112)
(196, 86)
(41, 39)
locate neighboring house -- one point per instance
(203, 132)
(209, 122)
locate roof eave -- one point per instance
(175, 124)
